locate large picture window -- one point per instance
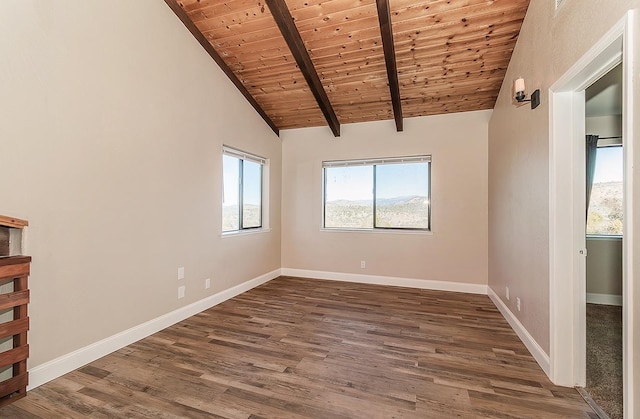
(242, 190)
(390, 193)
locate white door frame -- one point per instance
(567, 273)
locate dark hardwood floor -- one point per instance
(301, 348)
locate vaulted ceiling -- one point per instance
(303, 63)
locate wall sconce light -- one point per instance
(518, 87)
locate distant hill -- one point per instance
(400, 212)
(230, 216)
(383, 201)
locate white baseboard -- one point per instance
(388, 280)
(55, 368)
(536, 350)
(605, 299)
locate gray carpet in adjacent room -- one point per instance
(604, 357)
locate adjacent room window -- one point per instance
(390, 193)
(604, 216)
(242, 190)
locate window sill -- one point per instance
(604, 236)
(377, 231)
(244, 232)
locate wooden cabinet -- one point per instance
(14, 274)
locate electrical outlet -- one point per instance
(181, 290)
(363, 264)
(180, 273)
(507, 292)
(207, 283)
(518, 303)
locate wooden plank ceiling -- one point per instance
(304, 63)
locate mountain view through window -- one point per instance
(371, 196)
(605, 204)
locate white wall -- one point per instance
(455, 252)
(112, 120)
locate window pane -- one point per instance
(402, 195)
(230, 198)
(251, 194)
(605, 204)
(348, 197)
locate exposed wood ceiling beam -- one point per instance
(182, 15)
(283, 18)
(384, 17)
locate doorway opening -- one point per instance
(567, 209)
(604, 241)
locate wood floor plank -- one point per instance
(303, 348)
